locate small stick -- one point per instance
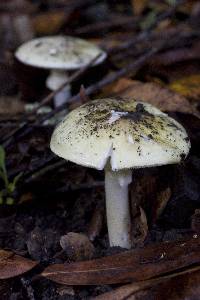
(108, 25)
(145, 34)
(33, 175)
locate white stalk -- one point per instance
(55, 79)
(117, 207)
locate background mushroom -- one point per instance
(59, 54)
(118, 136)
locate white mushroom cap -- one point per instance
(59, 52)
(131, 134)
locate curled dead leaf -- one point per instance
(188, 87)
(96, 223)
(140, 227)
(160, 203)
(77, 246)
(12, 265)
(134, 265)
(158, 285)
(153, 93)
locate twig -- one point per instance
(122, 21)
(81, 186)
(174, 41)
(33, 175)
(145, 34)
(47, 99)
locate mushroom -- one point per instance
(118, 136)
(59, 54)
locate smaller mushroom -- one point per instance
(60, 54)
(119, 136)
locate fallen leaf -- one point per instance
(160, 203)
(133, 265)
(153, 93)
(143, 191)
(49, 22)
(11, 105)
(77, 246)
(188, 87)
(129, 290)
(139, 227)
(96, 223)
(186, 286)
(12, 265)
(139, 6)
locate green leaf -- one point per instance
(12, 185)
(16, 179)
(10, 201)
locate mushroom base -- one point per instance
(117, 207)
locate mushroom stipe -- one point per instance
(119, 135)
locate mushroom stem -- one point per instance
(55, 79)
(117, 207)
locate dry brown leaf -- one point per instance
(161, 97)
(49, 22)
(160, 203)
(96, 223)
(139, 6)
(134, 265)
(77, 246)
(128, 291)
(140, 227)
(186, 286)
(12, 265)
(11, 105)
(144, 190)
(188, 87)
